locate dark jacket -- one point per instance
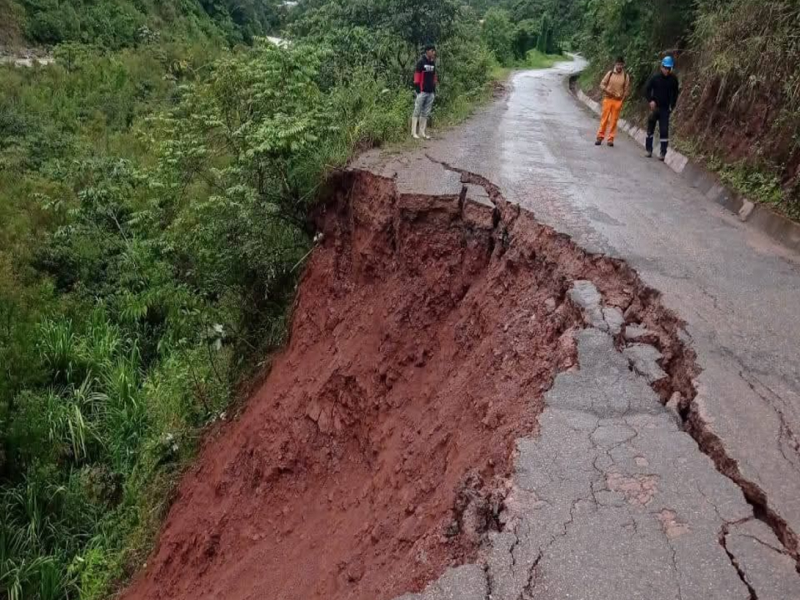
(425, 78)
(664, 90)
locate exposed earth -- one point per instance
(520, 367)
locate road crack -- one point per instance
(527, 591)
(676, 569)
(724, 543)
(711, 445)
(771, 399)
(680, 362)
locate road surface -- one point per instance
(613, 499)
(27, 57)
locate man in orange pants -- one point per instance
(616, 86)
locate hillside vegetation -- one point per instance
(154, 189)
(125, 23)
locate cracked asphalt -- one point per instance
(613, 499)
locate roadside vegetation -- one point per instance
(155, 184)
(525, 34)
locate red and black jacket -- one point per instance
(425, 78)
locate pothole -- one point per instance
(378, 452)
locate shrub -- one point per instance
(498, 33)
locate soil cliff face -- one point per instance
(377, 452)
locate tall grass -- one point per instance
(157, 206)
(538, 60)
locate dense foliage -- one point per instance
(154, 193)
(513, 29)
(125, 23)
(746, 87)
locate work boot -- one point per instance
(649, 154)
(662, 157)
(414, 122)
(599, 142)
(610, 143)
(423, 128)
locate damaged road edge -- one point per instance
(673, 379)
(691, 414)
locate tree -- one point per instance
(526, 37)
(498, 33)
(416, 21)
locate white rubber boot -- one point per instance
(423, 128)
(414, 121)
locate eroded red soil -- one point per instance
(377, 451)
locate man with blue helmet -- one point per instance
(662, 93)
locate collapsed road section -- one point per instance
(376, 453)
(382, 450)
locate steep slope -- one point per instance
(374, 455)
(377, 452)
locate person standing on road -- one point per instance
(616, 86)
(425, 82)
(662, 93)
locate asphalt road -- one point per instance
(616, 501)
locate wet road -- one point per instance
(737, 292)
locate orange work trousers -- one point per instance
(611, 109)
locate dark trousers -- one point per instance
(660, 116)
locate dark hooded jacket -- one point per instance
(664, 90)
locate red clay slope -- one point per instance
(376, 452)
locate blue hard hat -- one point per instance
(668, 62)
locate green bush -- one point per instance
(154, 204)
(498, 33)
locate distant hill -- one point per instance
(124, 23)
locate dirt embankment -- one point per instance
(376, 454)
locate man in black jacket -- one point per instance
(662, 93)
(425, 82)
